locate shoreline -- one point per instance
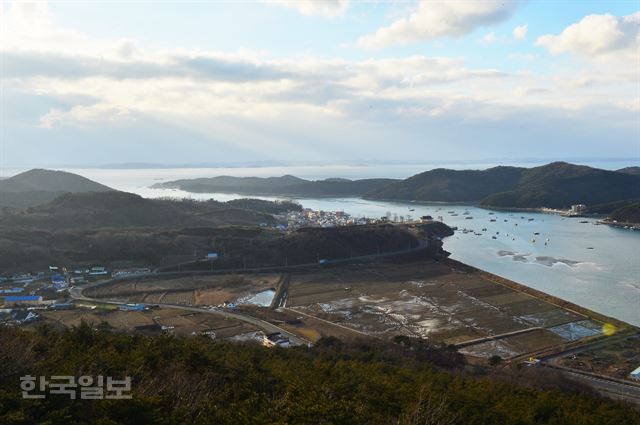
(552, 299)
(475, 204)
(621, 225)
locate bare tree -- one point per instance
(428, 410)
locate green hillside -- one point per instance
(39, 186)
(443, 185)
(555, 185)
(122, 210)
(559, 185)
(50, 181)
(627, 214)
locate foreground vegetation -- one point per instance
(199, 381)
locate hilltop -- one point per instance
(630, 170)
(443, 185)
(284, 186)
(559, 185)
(50, 181)
(555, 185)
(39, 186)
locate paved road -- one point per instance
(608, 388)
(76, 293)
(496, 337)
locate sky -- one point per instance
(322, 81)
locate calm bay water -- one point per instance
(594, 266)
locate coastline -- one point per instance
(568, 305)
(621, 225)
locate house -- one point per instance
(578, 208)
(11, 291)
(130, 272)
(635, 375)
(58, 279)
(275, 339)
(98, 271)
(67, 305)
(23, 300)
(131, 307)
(426, 218)
(22, 278)
(21, 317)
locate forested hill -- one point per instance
(284, 186)
(630, 170)
(39, 186)
(114, 209)
(443, 185)
(555, 185)
(627, 214)
(200, 381)
(559, 185)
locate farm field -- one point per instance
(192, 291)
(152, 321)
(434, 301)
(617, 359)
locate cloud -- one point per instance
(489, 38)
(433, 19)
(327, 8)
(520, 32)
(83, 115)
(69, 87)
(205, 66)
(597, 35)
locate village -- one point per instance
(438, 301)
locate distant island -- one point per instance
(557, 185)
(280, 186)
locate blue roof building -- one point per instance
(131, 307)
(16, 298)
(22, 299)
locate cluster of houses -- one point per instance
(22, 295)
(314, 218)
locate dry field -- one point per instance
(617, 359)
(432, 300)
(152, 321)
(198, 290)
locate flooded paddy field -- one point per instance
(438, 302)
(194, 290)
(152, 322)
